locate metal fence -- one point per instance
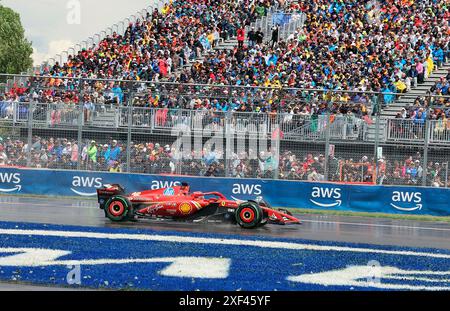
(287, 23)
(168, 128)
(235, 144)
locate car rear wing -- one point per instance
(108, 191)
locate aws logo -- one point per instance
(319, 194)
(86, 182)
(245, 189)
(407, 201)
(12, 180)
(158, 184)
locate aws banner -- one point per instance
(292, 194)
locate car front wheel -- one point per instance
(249, 215)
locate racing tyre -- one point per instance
(249, 215)
(118, 208)
(265, 220)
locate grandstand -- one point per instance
(349, 77)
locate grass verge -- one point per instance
(430, 218)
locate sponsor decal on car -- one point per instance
(154, 208)
(198, 205)
(185, 208)
(169, 192)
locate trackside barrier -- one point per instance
(292, 194)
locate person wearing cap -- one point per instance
(114, 152)
(105, 152)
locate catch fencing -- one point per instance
(167, 128)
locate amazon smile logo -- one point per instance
(10, 182)
(81, 183)
(326, 197)
(407, 201)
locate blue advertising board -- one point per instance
(280, 193)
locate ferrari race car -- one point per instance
(178, 203)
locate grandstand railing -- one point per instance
(288, 23)
(439, 131)
(161, 120)
(293, 126)
(416, 131)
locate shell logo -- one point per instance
(185, 208)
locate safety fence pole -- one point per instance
(377, 135)
(229, 142)
(446, 174)
(30, 126)
(129, 136)
(80, 127)
(426, 145)
(327, 142)
(277, 142)
(30, 132)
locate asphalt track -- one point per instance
(365, 230)
(315, 227)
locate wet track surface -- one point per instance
(314, 227)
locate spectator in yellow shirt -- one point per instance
(400, 85)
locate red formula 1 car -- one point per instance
(178, 203)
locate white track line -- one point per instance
(67, 205)
(214, 241)
(411, 278)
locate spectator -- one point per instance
(241, 37)
(275, 33)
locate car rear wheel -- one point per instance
(249, 215)
(265, 220)
(118, 208)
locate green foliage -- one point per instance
(15, 49)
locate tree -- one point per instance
(15, 49)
